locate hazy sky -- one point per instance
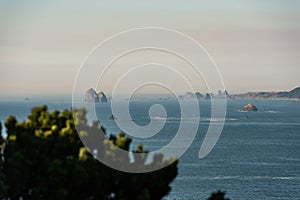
(255, 43)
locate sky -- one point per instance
(255, 43)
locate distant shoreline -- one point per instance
(271, 99)
(293, 94)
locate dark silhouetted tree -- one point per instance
(2, 177)
(44, 158)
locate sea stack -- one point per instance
(249, 107)
(91, 96)
(102, 97)
(199, 95)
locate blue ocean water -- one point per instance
(256, 157)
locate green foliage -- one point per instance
(43, 158)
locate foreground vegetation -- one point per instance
(44, 158)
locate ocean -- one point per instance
(256, 157)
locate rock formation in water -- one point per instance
(209, 96)
(189, 95)
(199, 95)
(92, 96)
(227, 95)
(102, 97)
(249, 107)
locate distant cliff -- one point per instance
(284, 95)
(293, 95)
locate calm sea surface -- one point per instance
(256, 157)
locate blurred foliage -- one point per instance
(44, 158)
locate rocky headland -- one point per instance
(283, 95)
